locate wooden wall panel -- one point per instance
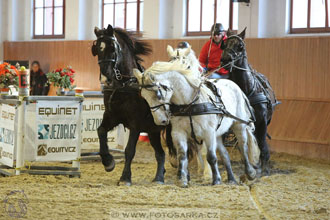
(298, 69)
(56, 54)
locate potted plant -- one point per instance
(62, 79)
(8, 77)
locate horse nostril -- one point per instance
(163, 122)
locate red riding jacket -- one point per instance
(215, 56)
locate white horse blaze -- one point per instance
(102, 46)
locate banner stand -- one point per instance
(20, 167)
(94, 100)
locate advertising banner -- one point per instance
(7, 134)
(57, 137)
(92, 115)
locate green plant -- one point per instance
(62, 78)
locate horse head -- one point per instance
(185, 56)
(108, 51)
(158, 93)
(234, 49)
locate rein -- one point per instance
(253, 96)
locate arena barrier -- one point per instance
(92, 115)
(50, 132)
(40, 129)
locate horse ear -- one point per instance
(187, 51)
(109, 30)
(229, 32)
(242, 34)
(170, 50)
(138, 75)
(97, 31)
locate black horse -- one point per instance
(254, 85)
(118, 53)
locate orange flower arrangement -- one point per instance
(8, 75)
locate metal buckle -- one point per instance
(118, 74)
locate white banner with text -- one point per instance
(57, 138)
(7, 134)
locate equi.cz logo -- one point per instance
(43, 150)
(57, 131)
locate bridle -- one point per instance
(114, 60)
(159, 93)
(236, 56)
(160, 96)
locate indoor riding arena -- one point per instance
(233, 122)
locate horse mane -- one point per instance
(162, 67)
(191, 57)
(137, 47)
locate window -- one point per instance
(309, 16)
(202, 14)
(48, 19)
(126, 14)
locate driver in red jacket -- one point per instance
(211, 52)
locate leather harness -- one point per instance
(193, 109)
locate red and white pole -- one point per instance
(23, 92)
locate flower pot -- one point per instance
(4, 91)
(79, 93)
(60, 91)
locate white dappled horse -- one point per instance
(187, 56)
(167, 84)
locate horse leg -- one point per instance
(212, 159)
(261, 133)
(180, 142)
(204, 169)
(160, 156)
(226, 160)
(130, 149)
(102, 132)
(200, 161)
(241, 135)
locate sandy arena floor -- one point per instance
(297, 189)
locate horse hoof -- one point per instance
(232, 182)
(265, 169)
(251, 174)
(157, 182)
(216, 182)
(124, 183)
(183, 183)
(266, 172)
(111, 167)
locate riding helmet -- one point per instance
(217, 28)
(183, 44)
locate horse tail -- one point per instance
(169, 141)
(249, 108)
(253, 148)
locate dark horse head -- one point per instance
(118, 52)
(234, 50)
